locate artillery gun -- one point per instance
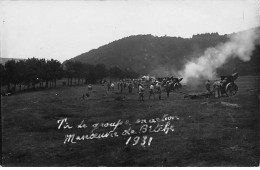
(177, 84)
(174, 83)
(227, 84)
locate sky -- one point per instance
(64, 29)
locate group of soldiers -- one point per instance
(157, 87)
(168, 84)
(221, 86)
(218, 85)
(121, 85)
(154, 88)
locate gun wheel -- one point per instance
(231, 89)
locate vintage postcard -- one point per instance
(128, 83)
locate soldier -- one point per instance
(112, 86)
(89, 87)
(141, 92)
(224, 82)
(168, 88)
(216, 88)
(207, 85)
(121, 87)
(130, 87)
(151, 91)
(159, 90)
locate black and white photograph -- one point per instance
(130, 83)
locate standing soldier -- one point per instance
(151, 91)
(89, 87)
(207, 85)
(159, 90)
(130, 87)
(224, 83)
(216, 88)
(141, 92)
(112, 86)
(121, 87)
(168, 88)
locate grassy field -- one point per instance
(206, 134)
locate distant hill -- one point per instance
(147, 54)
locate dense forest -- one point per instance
(147, 54)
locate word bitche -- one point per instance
(139, 131)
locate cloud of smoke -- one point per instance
(239, 46)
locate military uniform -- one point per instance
(141, 93)
(159, 90)
(151, 91)
(168, 88)
(216, 87)
(130, 87)
(207, 85)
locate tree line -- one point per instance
(45, 73)
(93, 73)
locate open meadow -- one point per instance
(199, 132)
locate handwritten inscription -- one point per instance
(137, 138)
(139, 131)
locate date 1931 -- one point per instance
(142, 140)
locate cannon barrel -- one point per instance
(232, 77)
(180, 79)
(235, 76)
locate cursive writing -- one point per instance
(139, 133)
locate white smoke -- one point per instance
(240, 45)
